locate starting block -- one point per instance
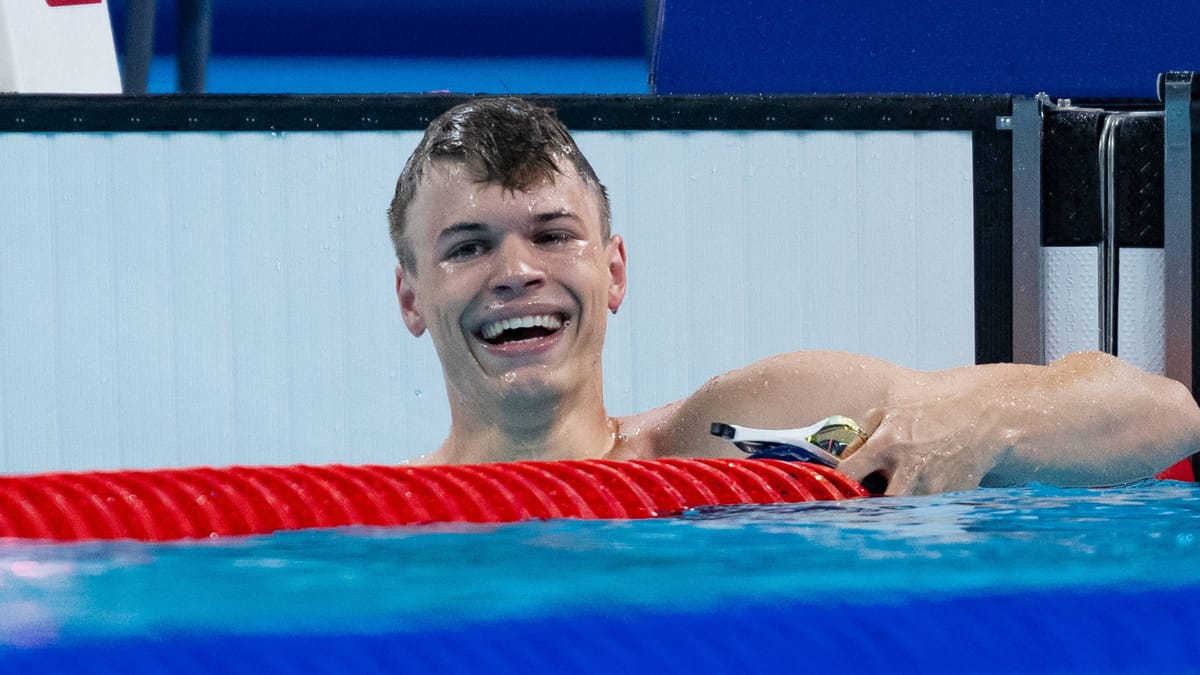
(57, 47)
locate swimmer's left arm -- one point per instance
(784, 391)
(1087, 419)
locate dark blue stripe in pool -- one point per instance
(1093, 631)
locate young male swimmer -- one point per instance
(506, 259)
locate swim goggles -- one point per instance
(827, 442)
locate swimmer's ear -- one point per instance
(408, 303)
(616, 269)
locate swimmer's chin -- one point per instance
(534, 380)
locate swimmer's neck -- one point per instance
(537, 432)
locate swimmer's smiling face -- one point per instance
(513, 286)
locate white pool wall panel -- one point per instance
(178, 299)
(1071, 299)
(1072, 304)
(1141, 309)
(743, 245)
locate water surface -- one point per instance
(883, 551)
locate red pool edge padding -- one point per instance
(170, 504)
(1183, 470)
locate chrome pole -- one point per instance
(1029, 343)
(1178, 224)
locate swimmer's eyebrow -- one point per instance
(460, 228)
(470, 227)
(555, 215)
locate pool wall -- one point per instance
(209, 281)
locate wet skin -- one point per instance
(487, 258)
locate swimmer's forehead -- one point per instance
(451, 194)
(524, 179)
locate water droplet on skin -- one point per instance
(510, 377)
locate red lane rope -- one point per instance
(565, 497)
(206, 502)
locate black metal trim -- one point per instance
(63, 113)
(1071, 177)
(993, 177)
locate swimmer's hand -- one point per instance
(1087, 419)
(920, 449)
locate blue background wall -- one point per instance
(401, 46)
(1067, 48)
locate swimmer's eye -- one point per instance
(464, 250)
(554, 237)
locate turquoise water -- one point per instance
(869, 553)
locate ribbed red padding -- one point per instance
(204, 502)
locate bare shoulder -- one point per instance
(641, 436)
(783, 391)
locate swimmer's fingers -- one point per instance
(875, 464)
(896, 461)
(874, 476)
(884, 469)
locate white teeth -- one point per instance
(495, 328)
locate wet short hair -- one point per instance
(508, 141)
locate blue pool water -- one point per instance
(1030, 579)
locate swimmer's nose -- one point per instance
(516, 270)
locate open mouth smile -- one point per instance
(521, 328)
